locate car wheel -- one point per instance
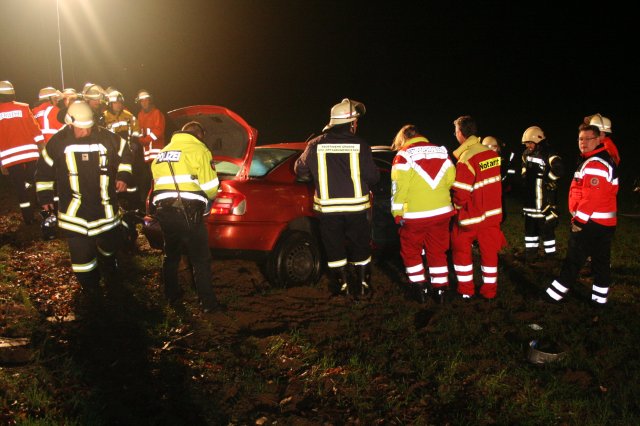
(296, 260)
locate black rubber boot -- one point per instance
(339, 281)
(364, 280)
(418, 292)
(439, 295)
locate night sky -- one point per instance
(282, 64)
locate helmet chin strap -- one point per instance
(354, 126)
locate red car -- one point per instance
(262, 210)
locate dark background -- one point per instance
(282, 64)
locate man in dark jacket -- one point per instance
(343, 171)
(88, 165)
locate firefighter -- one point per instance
(46, 113)
(421, 177)
(69, 95)
(342, 168)
(477, 195)
(185, 183)
(122, 122)
(95, 96)
(89, 165)
(592, 204)
(152, 128)
(542, 167)
(20, 136)
(507, 167)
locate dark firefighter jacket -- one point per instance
(84, 172)
(342, 169)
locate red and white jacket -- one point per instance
(152, 125)
(477, 190)
(594, 188)
(47, 117)
(19, 134)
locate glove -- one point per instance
(399, 220)
(576, 226)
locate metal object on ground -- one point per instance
(539, 357)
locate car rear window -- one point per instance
(266, 159)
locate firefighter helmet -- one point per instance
(79, 115)
(115, 96)
(491, 143)
(47, 93)
(6, 88)
(142, 94)
(345, 112)
(70, 92)
(602, 123)
(533, 134)
(94, 93)
(49, 224)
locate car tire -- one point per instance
(295, 260)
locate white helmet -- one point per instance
(6, 88)
(48, 93)
(142, 94)
(93, 92)
(602, 123)
(490, 142)
(533, 134)
(79, 115)
(115, 96)
(70, 92)
(345, 112)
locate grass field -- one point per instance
(298, 357)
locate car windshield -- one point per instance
(264, 160)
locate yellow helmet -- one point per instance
(6, 88)
(79, 115)
(533, 134)
(602, 123)
(48, 93)
(491, 143)
(345, 112)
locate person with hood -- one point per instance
(184, 184)
(342, 168)
(592, 204)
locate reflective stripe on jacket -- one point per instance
(152, 126)
(19, 134)
(343, 171)
(193, 174)
(83, 172)
(47, 117)
(421, 179)
(477, 190)
(594, 188)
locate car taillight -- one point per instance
(229, 203)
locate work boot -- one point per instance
(439, 295)
(339, 281)
(364, 280)
(418, 292)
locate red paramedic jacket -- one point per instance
(19, 134)
(477, 190)
(47, 117)
(594, 188)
